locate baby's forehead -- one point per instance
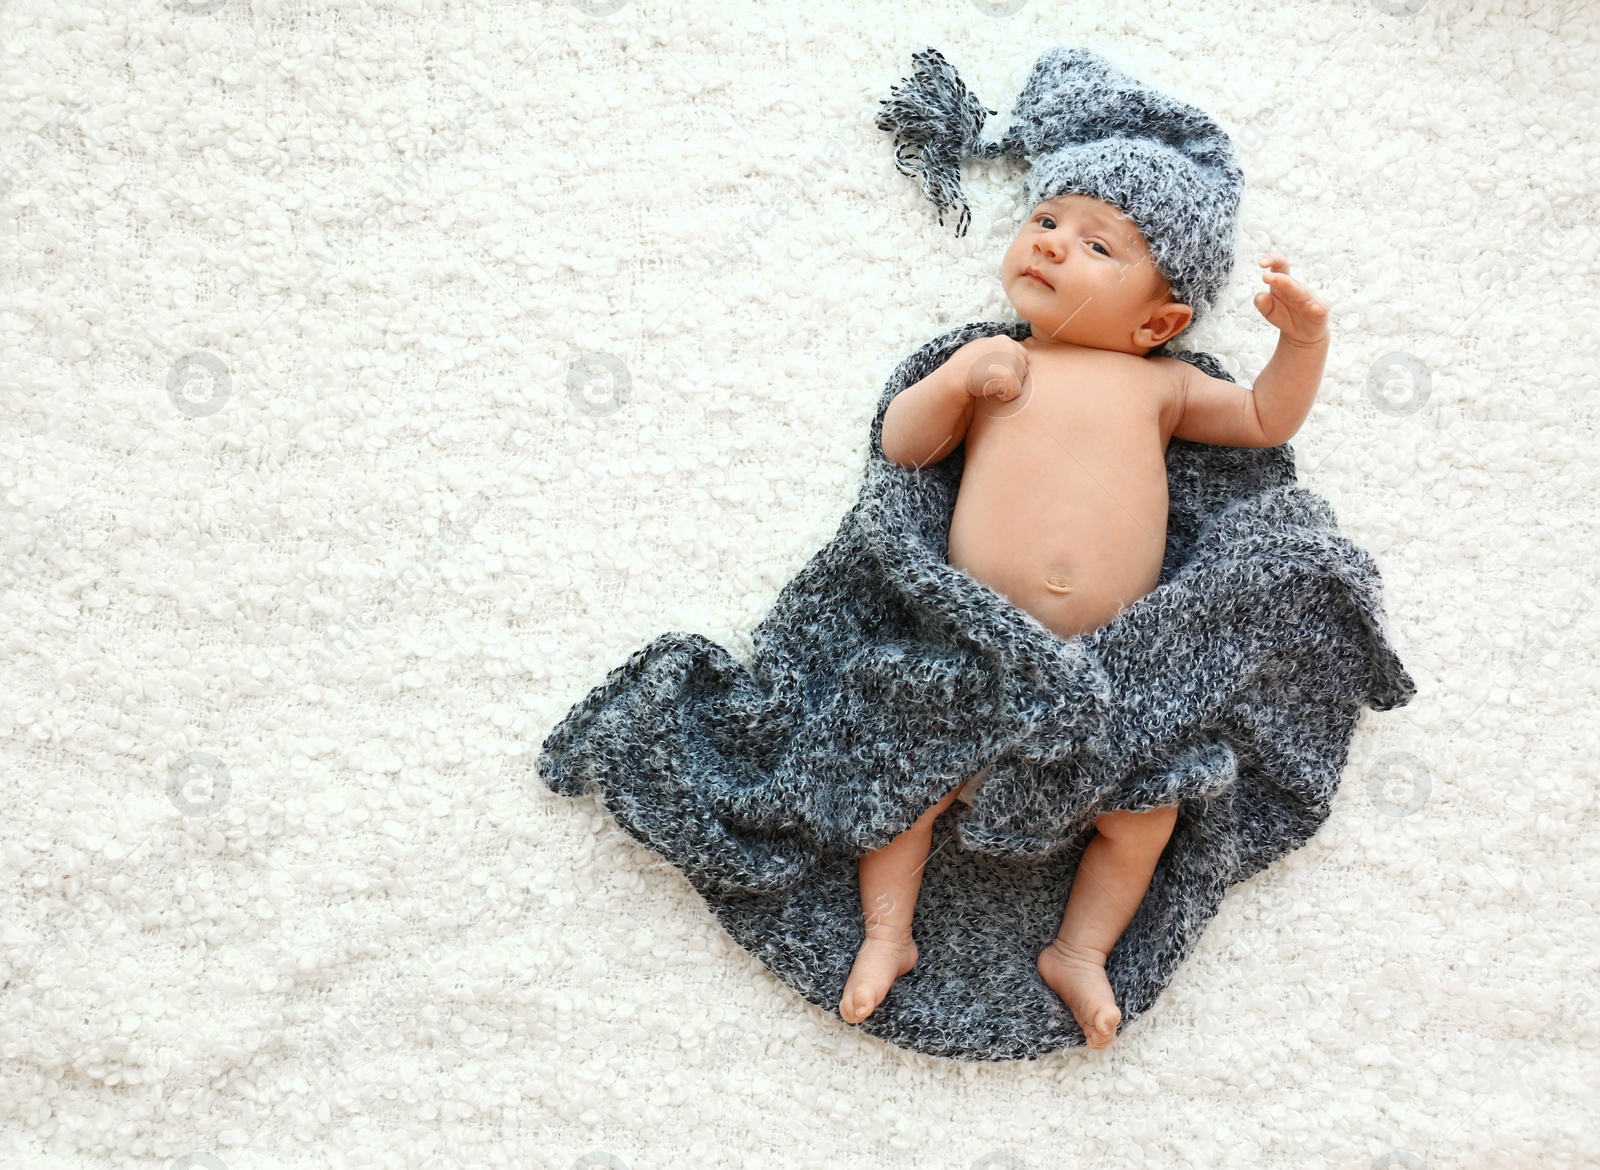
(1098, 209)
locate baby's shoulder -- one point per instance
(1165, 369)
(1163, 361)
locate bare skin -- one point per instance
(1063, 511)
(890, 881)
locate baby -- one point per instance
(1063, 510)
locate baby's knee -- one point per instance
(1155, 822)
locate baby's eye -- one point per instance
(1047, 222)
(1099, 245)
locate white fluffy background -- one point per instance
(372, 579)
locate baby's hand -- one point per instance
(1300, 315)
(992, 368)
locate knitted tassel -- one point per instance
(937, 122)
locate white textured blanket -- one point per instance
(376, 376)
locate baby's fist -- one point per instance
(993, 368)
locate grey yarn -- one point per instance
(1088, 128)
(883, 677)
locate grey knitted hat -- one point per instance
(1085, 127)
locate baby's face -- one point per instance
(1100, 286)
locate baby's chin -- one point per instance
(1053, 326)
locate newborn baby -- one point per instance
(1063, 510)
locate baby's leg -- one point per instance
(1111, 881)
(891, 878)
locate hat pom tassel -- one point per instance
(937, 122)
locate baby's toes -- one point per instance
(1103, 1027)
(878, 964)
(856, 1005)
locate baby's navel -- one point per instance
(1058, 583)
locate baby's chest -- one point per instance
(1078, 413)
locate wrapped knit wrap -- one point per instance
(883, 677)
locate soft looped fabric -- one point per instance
(883, 677)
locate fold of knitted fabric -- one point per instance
(883, 677)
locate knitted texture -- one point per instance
(1087, 128)
(883, 677)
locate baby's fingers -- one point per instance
(1285, 289)
(1289, 290)
(1299, 313)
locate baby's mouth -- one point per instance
(1037, 279)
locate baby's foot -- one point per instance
(1078, 976)
(879, 962)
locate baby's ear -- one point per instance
(1165, 323)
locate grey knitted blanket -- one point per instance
(883, 677)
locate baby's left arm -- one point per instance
(1211, 410)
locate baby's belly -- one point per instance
(1072, 541)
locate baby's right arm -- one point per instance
(928, 420)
